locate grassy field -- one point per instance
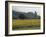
(25, 24)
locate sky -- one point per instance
(26, 9)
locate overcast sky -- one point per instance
(26, 9)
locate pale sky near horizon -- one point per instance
(27, 9)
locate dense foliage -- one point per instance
(23, 15)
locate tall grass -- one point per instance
(30, 22)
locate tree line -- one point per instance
(22, 15)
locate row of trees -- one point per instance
(22, 16)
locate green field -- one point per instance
(25, 24)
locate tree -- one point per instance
(35, 15)
(22, 16)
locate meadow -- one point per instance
(26, 24)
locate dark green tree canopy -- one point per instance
(22, 16)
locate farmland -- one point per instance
(25, 24)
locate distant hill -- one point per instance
(29, 15)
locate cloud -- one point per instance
(26, 9)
